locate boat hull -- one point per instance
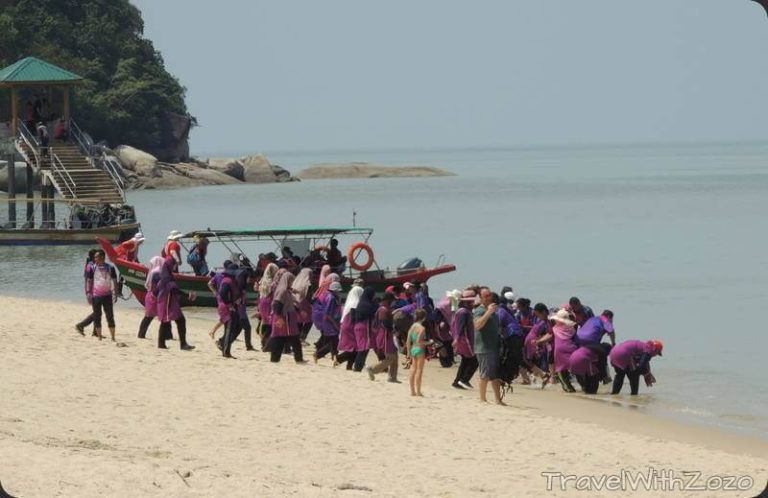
(135, 275)
(48, 237)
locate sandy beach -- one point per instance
(84, 418)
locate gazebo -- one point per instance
(41, 77)
(48, 86)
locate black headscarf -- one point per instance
(366, 308)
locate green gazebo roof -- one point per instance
(33, 71)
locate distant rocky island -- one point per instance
(366, 170)
(141, 170)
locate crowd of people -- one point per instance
(497, 335)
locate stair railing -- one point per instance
(66, 178)
(97, 156)
(80, 139)
(108, 164)
(28, 138)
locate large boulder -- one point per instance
(182, 175)
(258, 169)
(138, 161)
(230, 167)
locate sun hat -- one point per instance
(468, 295)
(656, 346)
(335, 287)
(139, 237)
(509, 296)
(174, 235)
(407, 285)
(390, 289)
(562, 316)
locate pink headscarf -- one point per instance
(302, 283)
(282, 292)
(155, 265)
(325, 281)
(265, 284)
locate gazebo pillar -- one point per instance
(11, 190)
(30, 197)
(14, 111)
(66, 105)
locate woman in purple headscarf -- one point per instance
(285, 320)
(168, 297)
(150, 303)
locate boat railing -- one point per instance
(58, 168)
(440, 261)
(73, 215)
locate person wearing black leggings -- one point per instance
(101, 291)
(632, 359)
(169, 306)
(463, 333)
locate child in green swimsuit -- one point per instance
(416, 349)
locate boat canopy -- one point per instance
(269, 233)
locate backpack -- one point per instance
(509, 368)
(193, 258)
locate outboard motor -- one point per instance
(410, 265)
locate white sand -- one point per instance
(82, 418)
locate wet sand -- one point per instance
(84, 418)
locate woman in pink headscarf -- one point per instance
(300, 289)
(168, 295)
(285, 320)
(265, 303)
(324, 281)
(150, 302)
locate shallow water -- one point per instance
(671, 238)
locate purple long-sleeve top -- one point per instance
(629, 355)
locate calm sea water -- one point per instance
(671, 238)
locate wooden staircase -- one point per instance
(71, 172)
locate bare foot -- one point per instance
(483, 400)
(420, 395)
(501, 403)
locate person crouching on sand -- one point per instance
(633, 359)
(416, 346)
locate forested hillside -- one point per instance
(128, 96)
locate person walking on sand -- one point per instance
(80, 326)
(150, 301)
(169, 306)
(362, 318)
(347, 342)
(463, 333)
(101, 291)
(285, 321)
(300, 289)
(416, 346)
(487, 345)
(265, 303)
(213, 285)
(326, 315)
(385, 338)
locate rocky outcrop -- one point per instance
(367, 170)
(143, 170)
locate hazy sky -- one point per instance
(354, 74)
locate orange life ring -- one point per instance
(354, 250)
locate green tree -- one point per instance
(128, 96)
